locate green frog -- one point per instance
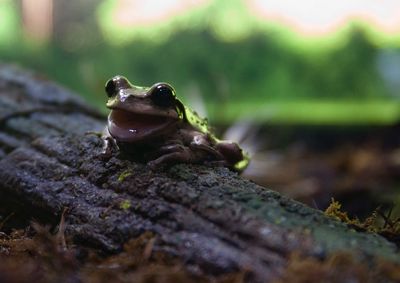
(153, 125)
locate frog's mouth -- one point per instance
(128, 126)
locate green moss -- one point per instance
(328, 233)
(125, 204)
(123, 175)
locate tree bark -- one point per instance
(210, 218)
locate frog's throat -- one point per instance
(128, 127)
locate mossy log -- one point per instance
(209, 217)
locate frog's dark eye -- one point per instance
(110, 88)
(115, 84)
(163, 95)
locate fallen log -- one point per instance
(210, 218)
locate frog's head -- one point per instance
(139, 113)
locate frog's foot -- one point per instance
(177, 154)
(109, 147)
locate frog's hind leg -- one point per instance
(200, 143)
(177, 154)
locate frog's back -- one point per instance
(199, 123)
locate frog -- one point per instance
(153, 125)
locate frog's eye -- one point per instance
(115, 84)
(163, 95)
(110, 88)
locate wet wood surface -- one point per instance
(210, 218)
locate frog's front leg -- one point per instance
(170, 148)
(109, 144)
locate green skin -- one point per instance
(151, 122)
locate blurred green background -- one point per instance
(310, 88)
(236, 57)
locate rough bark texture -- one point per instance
(212, 219)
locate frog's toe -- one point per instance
(105, 154)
